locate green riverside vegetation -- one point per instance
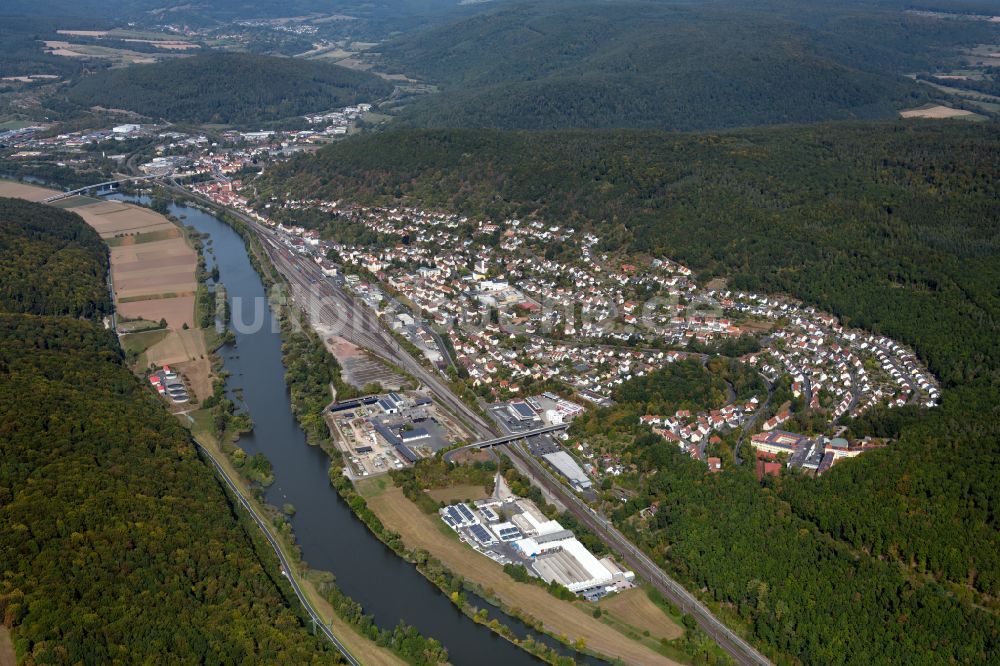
(892, 227)
(119, 545)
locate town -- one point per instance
(492, 304)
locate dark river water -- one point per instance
(330, 535)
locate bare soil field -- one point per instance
(178, 347)
(83, 33)
(358, 367)
(177, 311)
(419, 530)
(15, 190)
(112, 218)
(471, 455)
(636, 608)
(936, 112)
(198, 375)
(7, 656)
(457, 493)
(342, 349)
(163, 265)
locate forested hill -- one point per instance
(890, 226)
(52, 263)
(118, 544)
(236, 88)
(668, 66)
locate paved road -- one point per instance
(361, 326)
(506, 439)
(737, 648)
(287, 568)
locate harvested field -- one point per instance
(177, 311)
(15, 190)
(178, 347)
(936, 112)
(198, 375)
(83, 33)
(635, 608)
(112, 218)
(143, 237)
(152, 266)
(420, 530)
(457, 493)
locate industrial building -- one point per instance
(522, 412)
(563, 463)
(513, 530)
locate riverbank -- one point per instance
(363, 649)
(573, 622)
(326, 532)
(615, 637)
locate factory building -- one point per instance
(565, 465)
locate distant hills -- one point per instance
(229, 88)
(669, 66)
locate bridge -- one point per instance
(506, 439)
(109, 183)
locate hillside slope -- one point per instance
(118, 544)
(228, 88)
(670, 66)
(889, 225)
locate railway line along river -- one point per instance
(330, 535)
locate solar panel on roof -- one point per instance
(464, 510)
(481, 534)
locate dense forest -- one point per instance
(237, 88)
(892, 226)
(118, 545)
(672, 66)
(52, 262)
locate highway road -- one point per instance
(287, 568)
(332, 307)
(506, 439)
(643, 566)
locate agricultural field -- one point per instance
(152, 266)
(15, 190)
(938, 111)
(117, 56)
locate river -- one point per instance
(330, 535)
